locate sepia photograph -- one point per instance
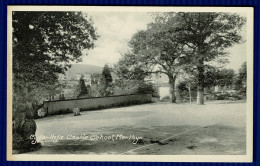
(130, 83)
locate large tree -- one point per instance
(225, 77)
(153, 51)
(206, 35)
(213, 76)
(241, 79)
(44, 45)
(81, 89)
(105, 86)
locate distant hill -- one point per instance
(82, 68)
(86, 68)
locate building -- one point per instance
(162, 90)
(78, 76)
(95, 78)
(87, 79)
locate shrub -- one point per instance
(166, 98)
(229, 96)
(222, 96)
(126, 87)
(145, 89)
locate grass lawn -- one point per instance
(216, 128)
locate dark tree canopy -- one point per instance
(206, 34)
(241, 80)
(215, 76)
(182, 41)
(43, 46)
(45, 43)
(81, 89)
(105, 87)
(225, 77)
(127, 68)
(106, 75)
(154, 50)
(206, 37)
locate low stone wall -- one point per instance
(66, 106)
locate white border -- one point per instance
(149, 158)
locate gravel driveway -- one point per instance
(157, 128)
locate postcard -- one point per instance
(110, 83)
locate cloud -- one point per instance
(115, 30)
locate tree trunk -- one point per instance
(190, 93)
(178, 95)
(200, 96)
(172, 79)
(201, 79)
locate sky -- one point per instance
(116, 29)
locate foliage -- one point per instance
(94, 91)
(185, 85)
(126, 87)
(241, 79)
(81, 89)
(225, 77)
(44, 44)
(206, 37)
(126, 68)
(165, 98)
(228, 96)
(154, 50)
(213, 77)
(175, 41)
(145, 88)
(106, 75)
(106, 86)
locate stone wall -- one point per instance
(66, 106)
